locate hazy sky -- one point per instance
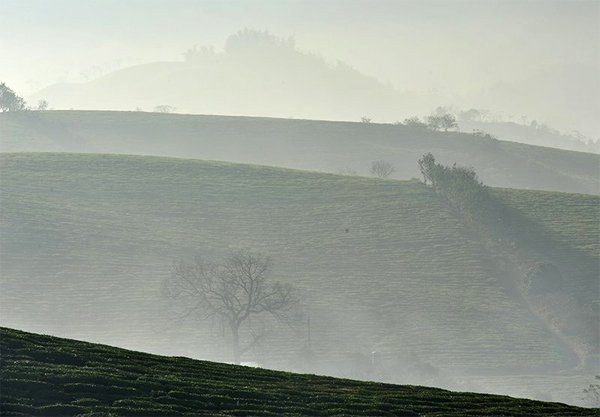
(457, 48)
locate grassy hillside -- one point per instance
(383, 265)
(303, 144)
(566, 217)
(42, 375)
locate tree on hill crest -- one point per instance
(9, 100)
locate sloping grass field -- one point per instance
(302, 144)
(566, 217)
(383, 265)
(48, 376)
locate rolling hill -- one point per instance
(302, 144)
(257, 74)
(383, 266)
(44, 375)
(260, 74)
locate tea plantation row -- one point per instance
(49, 376)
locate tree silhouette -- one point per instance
(232, 292)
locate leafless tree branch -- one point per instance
(232, 291)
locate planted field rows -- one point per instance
(301, 144)
(382, 265)
(48, 376)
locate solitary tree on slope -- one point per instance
(382, 169)
(232, 291)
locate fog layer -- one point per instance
(538, 59)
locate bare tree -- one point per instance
(382, 169)
(232, 292)
(42, 105)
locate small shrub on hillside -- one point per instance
(42, 105)
(484, 135)
(382, 169)
(164, 108)
(414, 122)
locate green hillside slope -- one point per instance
(42, 375)
(383, 265)
(568, 218)
(302, 144)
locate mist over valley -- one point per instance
(299, 208)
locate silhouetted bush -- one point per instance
(460, 186)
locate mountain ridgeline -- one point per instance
(383, 266)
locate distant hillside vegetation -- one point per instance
(257, 74)
(533, 134)
(303, 144)
(260, 74)
(383, 265)
(42, 375)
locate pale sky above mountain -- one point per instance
(465, 52)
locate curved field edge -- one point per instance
(319, 145)
(384, 265)
(43, 375)
(96, 234)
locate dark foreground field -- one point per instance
(48, 376)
